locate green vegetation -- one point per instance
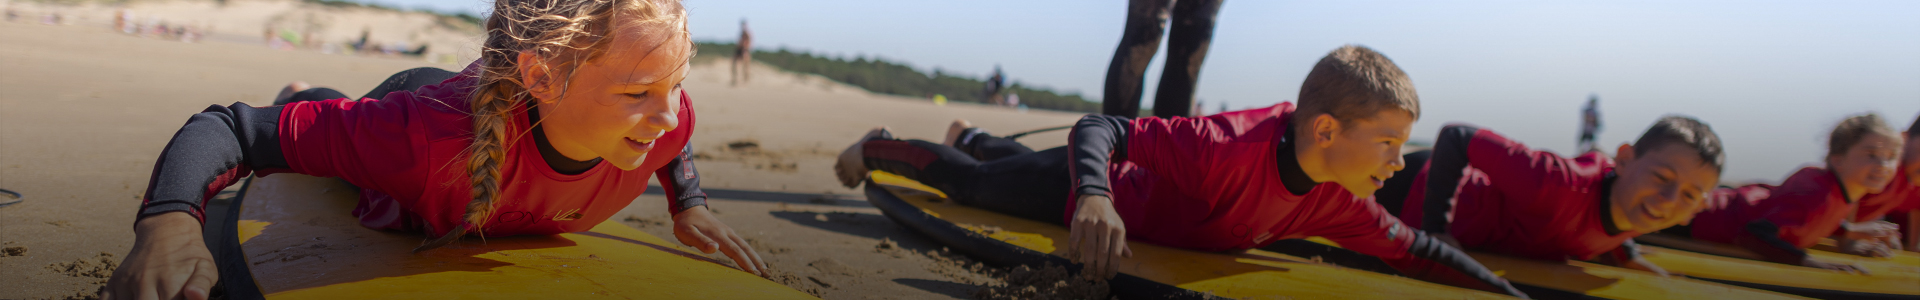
(886, 77)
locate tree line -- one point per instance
(887, 77)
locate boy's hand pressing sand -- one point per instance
(1098, 238)
(169, 261)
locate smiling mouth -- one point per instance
(1377, 181)
(640, 146)
(1650, 212)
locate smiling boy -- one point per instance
(1488, 193)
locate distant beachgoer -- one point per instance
(1589, 125)
(996, 83)
(1146, 19)
(743, 56)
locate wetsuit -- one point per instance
(1779, 222)
(1216, 183)
(1192, 33)
(1496, 195)
(405, 150)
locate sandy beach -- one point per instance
(85, 111)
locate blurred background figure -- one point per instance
(743, 57)
(1589, 125)
(996, 83)
(1146, 20)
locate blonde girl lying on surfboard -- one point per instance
(573, 105)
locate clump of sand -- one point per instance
(1046, 282)
(13, 251)
(99, 267)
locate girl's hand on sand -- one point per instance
(169, 261)
(1098, 238)
(1810, 262)
(698, 228)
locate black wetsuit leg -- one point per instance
(1187, 44)
(1033, 185)
(408, 80)
(1394, 194)
(411, 79)
(986, 147)
(1126, 75)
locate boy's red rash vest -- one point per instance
(407, 153)
(1212, 183)
(1807, 206)
(1527, 203)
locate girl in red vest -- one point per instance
(571, 108)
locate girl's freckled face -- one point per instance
(616, 105)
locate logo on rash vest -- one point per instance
(568, 215)
(1393, 231)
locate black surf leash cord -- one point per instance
(1018, 135)
(16, 197)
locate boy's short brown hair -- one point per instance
(1676, 130)
(1355, 82)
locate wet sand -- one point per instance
(84, 112)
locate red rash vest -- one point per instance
(1522, 202)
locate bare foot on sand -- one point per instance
(954, 130)
(287, 92)
(851, 167)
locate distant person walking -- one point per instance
(743, 57)
(1146, 19)
(1589, 125)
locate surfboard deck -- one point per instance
(1897, 277)
(1154, 272)
(1568, 280)
(298, 240)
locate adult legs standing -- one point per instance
(1187, 45)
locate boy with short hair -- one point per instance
(1231, 181)
(1487, 193)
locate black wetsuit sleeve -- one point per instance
(1095, 141)
(1432, 249)
(1770, 246)
(216, 148)
(1449, 161)
(682, 182)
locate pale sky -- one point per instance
(1772, 77)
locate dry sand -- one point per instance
(84, 112)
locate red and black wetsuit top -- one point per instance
(1899, 196)
(1229, 182)
(1779, 222)
(1496, 195)
(406, 152)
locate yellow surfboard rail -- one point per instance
(301, 242)
(1896, 277)
(1251, 274)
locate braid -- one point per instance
(570, 31)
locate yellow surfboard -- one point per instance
(1897, 277)
(1577, 280)
(1154, 271)
(298, 240)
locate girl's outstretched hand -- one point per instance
(169, 261)
(698, 228)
